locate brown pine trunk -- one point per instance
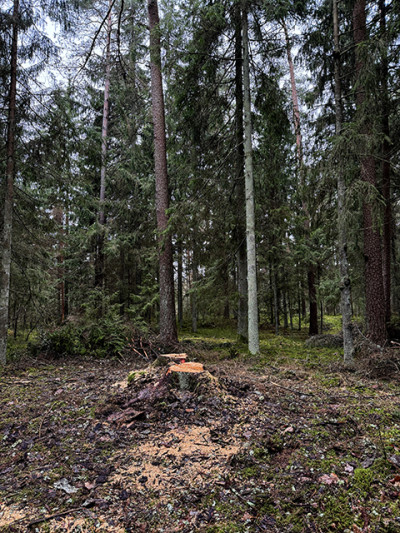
(168, 331)
(6, 237)
(313, 328)
(374, 291)
(386, 178)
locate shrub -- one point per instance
(101, 332)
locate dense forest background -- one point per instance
(83, 254)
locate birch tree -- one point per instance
(253, 336)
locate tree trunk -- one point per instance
(240, 230)
(249, 191)
(374, 290)
(313, 329)
(312, 294)
(345, 286)
(99, 269)
(6, 238)
(300, 299)
(168, 331)
(194, 294)
(285, 311)
(58, 218)
(180, 283)
(276, 303)
(386, 178)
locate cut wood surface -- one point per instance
(164, 359)
(191, 368)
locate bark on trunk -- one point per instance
(249, 191)
(180, 283)
(374, 291)
(6, 238)
(240, 233)
(168, 331)
(345, 285)
(313, 329)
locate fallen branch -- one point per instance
(46, 518)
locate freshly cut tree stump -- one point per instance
(165, 359)
(187, 374)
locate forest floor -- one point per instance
(285, 442)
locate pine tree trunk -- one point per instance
(250, 209)
(374, 290)
(386, 171)
(99, 267)
(345, 286)
(6, 237)
(168, 331)
(240, 230)
(313, 329)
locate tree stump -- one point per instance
(165, 359)
(187, 374)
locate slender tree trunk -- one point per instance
(276, 303)
(254, 346)
(15, 319)
(313, 329)
(168, 331)
(290, 312)
(225, 279)
(300, 299)
(285, 311)
(99, 281)
(66, 282)
(386, 178)
(194, 293)
(240, 232)
(345, 285)
(58, 217)
(6, 237)
(374, 290)
(180, 283)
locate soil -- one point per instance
(274, 450)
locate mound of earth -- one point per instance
(325, 341)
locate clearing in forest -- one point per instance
(284, 442)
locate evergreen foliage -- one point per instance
(60, 93)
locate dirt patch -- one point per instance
(275, 451)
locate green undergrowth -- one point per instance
(284, 349)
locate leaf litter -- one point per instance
(81, 449)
